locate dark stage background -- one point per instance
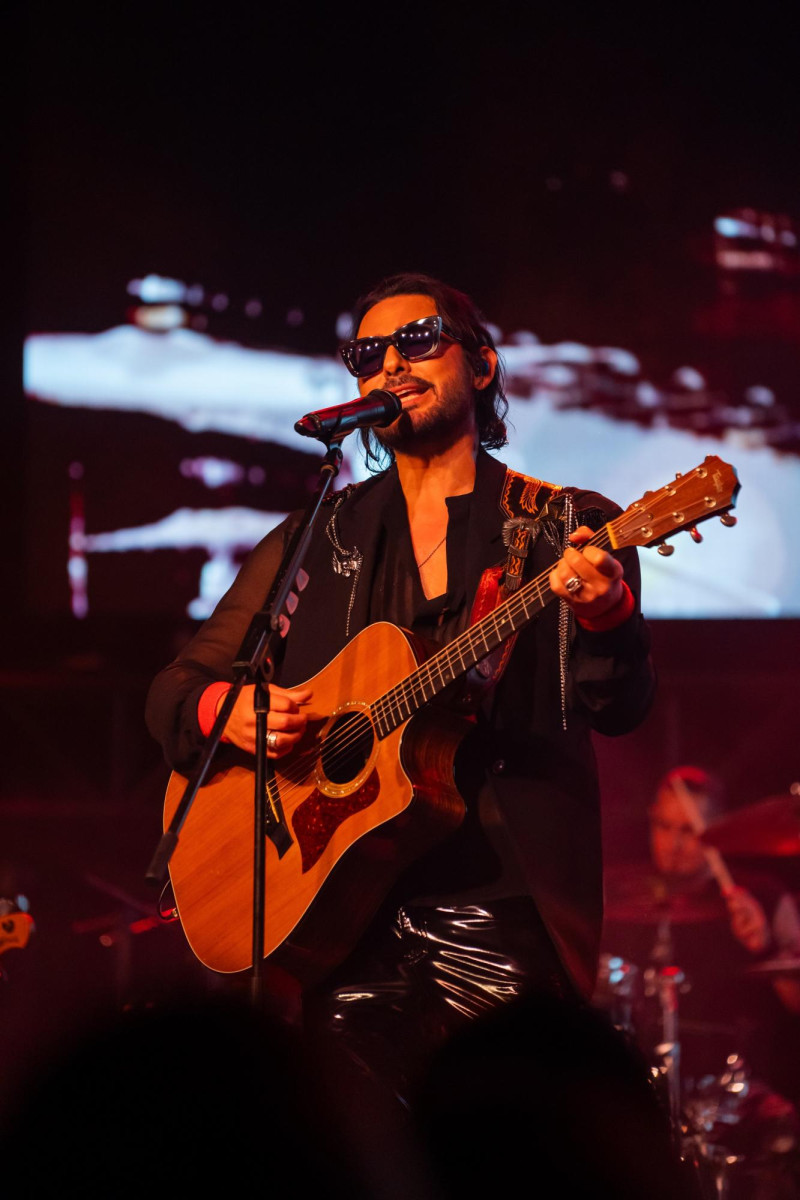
(566, 168)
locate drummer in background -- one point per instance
(765, 921)
(672, 911)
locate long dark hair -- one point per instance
(462, 318)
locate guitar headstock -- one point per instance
(709, 490)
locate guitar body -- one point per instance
(359, 810)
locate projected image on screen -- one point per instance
(160, 454)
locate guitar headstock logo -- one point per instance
(710, 489)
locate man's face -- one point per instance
(674, 845)
(437, 393)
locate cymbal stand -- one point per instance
(666, 982)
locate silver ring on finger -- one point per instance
(574, 584)
(272, 739)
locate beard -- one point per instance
(443, 418)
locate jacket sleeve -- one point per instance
(174, 695)
(611, 676)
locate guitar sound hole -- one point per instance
(347, 746)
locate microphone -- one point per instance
(377, 408)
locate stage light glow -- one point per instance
(157, 289)
(689, 378)
(214, 472)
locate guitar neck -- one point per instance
(458, 656)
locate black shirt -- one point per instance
(396, 592)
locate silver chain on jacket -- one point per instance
(345, 562)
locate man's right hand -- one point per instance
(748, 920)
(285, 718)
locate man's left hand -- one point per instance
(599, 575)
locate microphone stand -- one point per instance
(255, 663)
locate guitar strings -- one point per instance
(406, 694)
(387, 709)
(398, 697)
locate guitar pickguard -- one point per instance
(318, 817)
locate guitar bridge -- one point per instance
(276, 828)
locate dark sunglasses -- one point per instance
(419, 339)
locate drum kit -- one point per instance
(739, 1137)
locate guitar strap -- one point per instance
(527, 503)
(532, 509)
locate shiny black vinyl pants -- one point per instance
(424, 974)
(457, 1058)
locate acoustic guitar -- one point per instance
(369, 788)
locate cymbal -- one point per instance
(770, 827)
(638, 896)
(678, 911)
(775, 966)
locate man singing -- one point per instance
(509, 904)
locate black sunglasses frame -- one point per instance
(349, 350)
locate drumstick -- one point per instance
(713, 857)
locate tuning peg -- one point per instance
(695, 535)
(301, 579)
(665, 549)
(728, 520)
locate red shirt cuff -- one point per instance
(614, 617)
(207, 706)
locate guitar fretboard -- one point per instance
(456, 658)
